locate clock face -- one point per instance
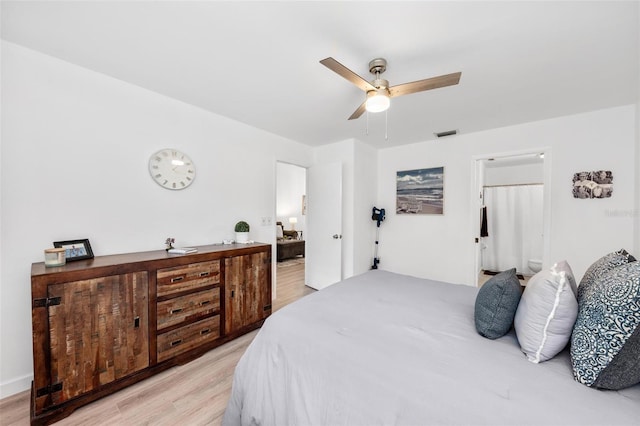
(172, 169)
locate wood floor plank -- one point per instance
(195, 393)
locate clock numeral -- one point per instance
(190, 171)
(165, 153)
(182, 183)
(158, 159)
(188, 178)
(155, 167)
(174, 185)
(165, 182)
(158, 176)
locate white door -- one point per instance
(324, 225)
(477, 204)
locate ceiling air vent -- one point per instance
(447, 133)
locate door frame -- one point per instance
(274, 215)
(477, 183)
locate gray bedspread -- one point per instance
(382, 348)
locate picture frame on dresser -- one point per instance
(75, 249)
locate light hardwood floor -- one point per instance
(192, 394)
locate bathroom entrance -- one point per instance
(511, 223)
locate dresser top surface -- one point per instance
(145, 256)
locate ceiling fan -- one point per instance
(378, 91)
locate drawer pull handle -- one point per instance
(176, 342)
(204, 274)
(176, 279)
(205, 331)
(136, 322)
(175, 311)
(205, 302)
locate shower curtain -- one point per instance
(514, 219)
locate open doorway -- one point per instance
(512, 215)
(291, 182)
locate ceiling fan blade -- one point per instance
(345, 72)
(427, 84)
(357, 113)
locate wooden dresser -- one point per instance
(103, 324)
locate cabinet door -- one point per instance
(98, 332)
(247, 290)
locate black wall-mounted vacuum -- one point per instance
(378, 216)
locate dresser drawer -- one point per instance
(187, 277)
(188, 337)
(184, 308)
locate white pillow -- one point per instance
(279, 231)
(547, 312)
(563, 266)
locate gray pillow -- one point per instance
(496, 304)
(547, 313)
(605, 344)
(600, 267)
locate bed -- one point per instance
(384, 348)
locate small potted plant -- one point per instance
(242, 232)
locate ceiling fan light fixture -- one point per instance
(377, 101)
(378, 91)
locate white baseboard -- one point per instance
(15, 386)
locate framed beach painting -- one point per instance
(420, 191)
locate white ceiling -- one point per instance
(257, 62)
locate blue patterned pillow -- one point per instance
(605, 344)
(496, 304)
(601, 267)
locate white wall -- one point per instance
(636, 212)
(291, 185)
(364, 199)
(442, 247)
(3, 296)
(75, 147)
(514, 175)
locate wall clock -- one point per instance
(172, 169)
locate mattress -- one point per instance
(384, 348)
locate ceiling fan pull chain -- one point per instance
(367, 129)
(386, 125)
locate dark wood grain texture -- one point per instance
(247, 299)
(103, 324)
(188, 307)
